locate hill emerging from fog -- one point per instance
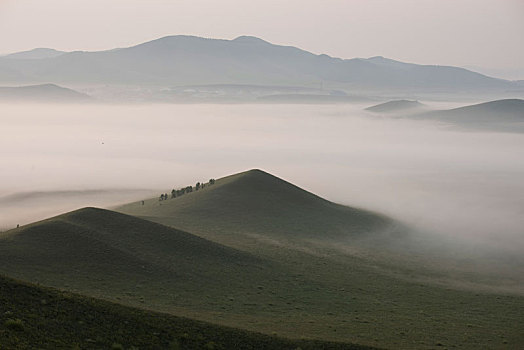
(397, 106)
(257, 203)
(501, 115)
(188, 60)
(42, 93)
(265, 256)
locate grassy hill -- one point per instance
(41, 318)
(257, 203)
(269, 257)
(348, 251)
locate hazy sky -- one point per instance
(486, 33)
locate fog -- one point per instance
(454, 183)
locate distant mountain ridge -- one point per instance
(186, 60)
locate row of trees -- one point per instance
(188, 189)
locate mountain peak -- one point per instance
(249, 39)
(35, 54)
(265, 205)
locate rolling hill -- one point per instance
(96, 241)
(187, 60)
(276, 278)
(397, 106)
(42, 93)
(36, 317)
(259, 204)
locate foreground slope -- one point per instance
(36, 317)
(257, 203)
(108, 254)
(268, 282)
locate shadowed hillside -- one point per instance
(255, 202)
(35, 317)
(111, 255)
(95, 241)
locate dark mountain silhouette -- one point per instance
(42, 93)
(188, 60)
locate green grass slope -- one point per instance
(119, 257)
(257, 203)
(265, 265)
(41, 318)
(339, 272)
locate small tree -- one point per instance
(197, 186)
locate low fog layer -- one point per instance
(463, 184)
(26, 207)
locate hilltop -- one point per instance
(42, 93)
(255, 202)
(187, 60)
(397, 106)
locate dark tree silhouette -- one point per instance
(197, 186)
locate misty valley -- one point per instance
(194, 193)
